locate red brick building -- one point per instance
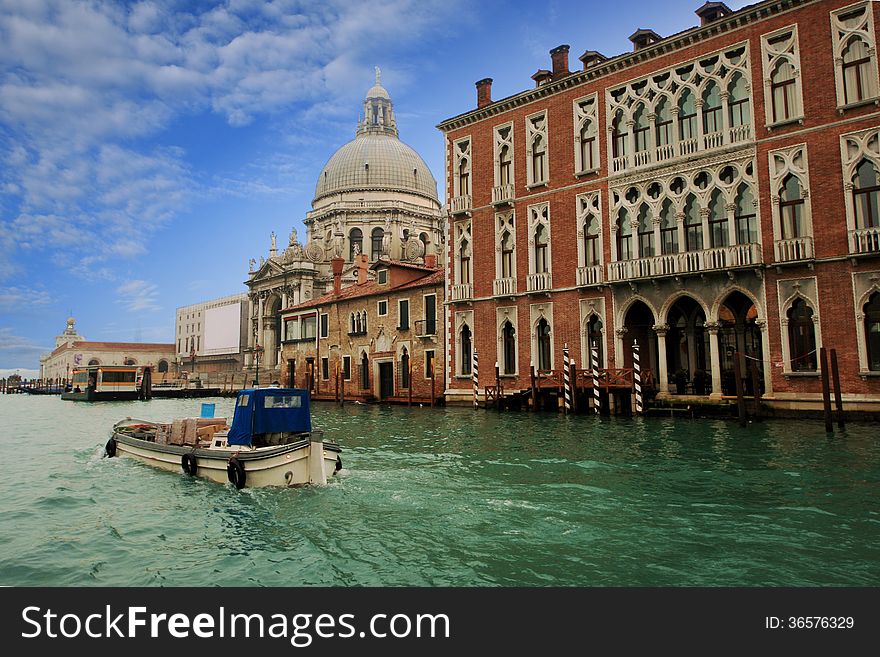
(712, 192)
(383, 336)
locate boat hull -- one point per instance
(92, 396)
(295, 464)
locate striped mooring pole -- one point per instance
(637, 376)
(566, 377)
(476, 380)
(594, 365)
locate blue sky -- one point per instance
(149, 148)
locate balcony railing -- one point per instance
(462, 291)
(713, 140)
(592, 275)
(461, 204)
(504, 286)
(689, 262)
(740, 133)
(539, 282)
(684, 147)
(796, 248)
(361, 331)
(502, 194)
(865, 240)
(425, 327)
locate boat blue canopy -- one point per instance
(269, 410)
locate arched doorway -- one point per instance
(872, 331)
(272, 332)
(639, 324)
(739, 332)
(544, 356)
(687, 347)
(508, 348)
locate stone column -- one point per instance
(707, 236)
(725, 116)
(731, 225)
(663, 367)
(619, 346)
(715, 357)
(679, 220)
(631, 143)
(676, 130)
(658, 244)
(701, 131)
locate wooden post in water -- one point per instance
(826, 390)
(566, 378)
(336, 379)
(497, 387)
(740, 399)
(572, 366)
(534, 388)
(409, 381)
(835, 378)
(433, 394)
(594, 365)
(476, 379)
(637, 376)
(342, 386)
(756, 386)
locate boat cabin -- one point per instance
(270, 416)
(107, 378)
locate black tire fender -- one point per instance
(235, 471)
(110, 448)
(189, 463)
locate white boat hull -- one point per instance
(304, 462)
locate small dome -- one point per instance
(378, 91)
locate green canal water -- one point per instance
(448, 497)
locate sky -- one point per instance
(150, 148)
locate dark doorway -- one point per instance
(386, 380)
(291, 373)
(739, 333)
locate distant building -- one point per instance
(375, 196)
(212, 335)
(73, 350)
(709, 193)
(382, 333)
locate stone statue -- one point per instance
(251, 264)
(378, 76)
(274, 245)
(262, 261)
(292, 236)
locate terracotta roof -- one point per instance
(400, 263)
(116, 346)
(370, 288)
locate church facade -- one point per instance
(374, 196)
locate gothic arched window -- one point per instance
(466, 352)
(508, 348)
(745, 218)
(543, 335)
(801, 337)
(668, 229)
(866, 195)
(872, 331)
(646, 233)
(693, 225)
(718, 226)
(624, 236)
(542, 263)
(782, 90)
(856, 69)
(791, 208)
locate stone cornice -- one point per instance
(687, 38)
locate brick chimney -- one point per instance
(337, 264)
(591, 58)
(484, 92)
(712, 11)
(559, 59)
(431, 260)
(363, 263)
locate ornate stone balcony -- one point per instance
(794, 249)
(593, 275)
(689, 262)
(864, 240)
(425, 327)
(502, 195)
(502, 287)
(463, 292)
(539, 282)
(461, 204)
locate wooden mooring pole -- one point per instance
(740, 399)
(534, 388)
(756, 387)
(574, 386)
(566, 378)
(826, 390)
(838, 399)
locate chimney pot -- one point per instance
(363, 263)
(484, 92)
(337, 264)
(591, 57)
(712, 11)
(559, 60)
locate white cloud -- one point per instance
(15, 297)
(16, 349)
(84, 85)
(138, 296)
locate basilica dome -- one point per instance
(376, 159)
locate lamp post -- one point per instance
(257, 351)
(192, 357)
